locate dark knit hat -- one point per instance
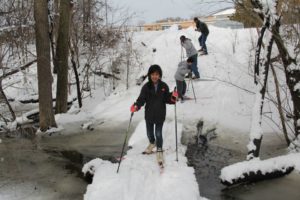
(152, 69)
(190, 60)
(182, 38)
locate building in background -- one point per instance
(166, 25)
(222, 19)
(219, 19)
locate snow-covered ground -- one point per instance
(220, 102)
(139, 176)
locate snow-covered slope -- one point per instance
(217, 99)
(218, 102)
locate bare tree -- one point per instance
(272, 14)
(46, 113)
(98, 46)
(62, 54)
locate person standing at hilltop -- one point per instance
(202, 27)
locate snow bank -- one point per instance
(239, 170)
(50, 131)
(139, 176)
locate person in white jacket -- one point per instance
(184, 67)
(192, 53)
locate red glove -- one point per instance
(133, 108)
(174, 96)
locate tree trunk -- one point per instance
(292, 72)
(76, 75)
(62, 53)
(43, 65)
(54, 23)
(256, 138)
(256, 130)
(86, 21)
(279, 106)
(257, 53)
(2, 94)
(51, 37)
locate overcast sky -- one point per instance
(152, 10)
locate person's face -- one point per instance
(155, 77)
(189, 63)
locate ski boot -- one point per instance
(160, 157)
(149, 149)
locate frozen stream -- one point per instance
(208, 160)
(49, 167)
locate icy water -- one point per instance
(209, 159)
(49, 167)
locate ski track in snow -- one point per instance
(139, 176)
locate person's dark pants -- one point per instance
(202, 42)
(158, 133)
(181, 88)
(194, 66)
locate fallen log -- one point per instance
(106, 75)
(33, 100)
(30, 117)
(34, 116)
(257, 170)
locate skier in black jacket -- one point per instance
(202, 27)
(155, 94)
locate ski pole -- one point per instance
(176, 129)
(126, 135)
(188, 86)
(193, 90)
(181, 53)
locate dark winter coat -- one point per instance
(202, 27)
(155, 109)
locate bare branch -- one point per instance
(17, 70)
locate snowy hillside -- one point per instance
(220, 102)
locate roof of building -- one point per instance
(227, 11)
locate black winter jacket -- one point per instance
(202, 27)
(155, 109)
